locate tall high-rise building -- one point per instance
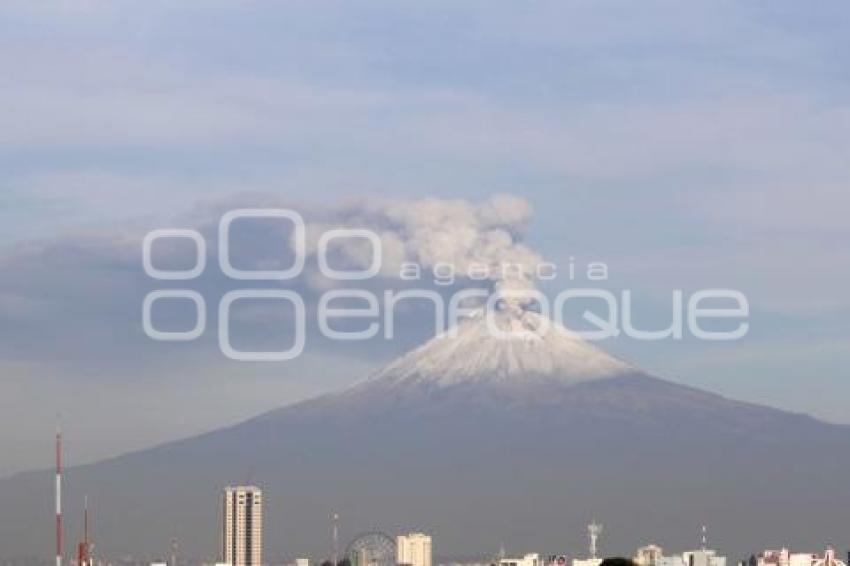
(242, 532)
(413, 549)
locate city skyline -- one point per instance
(242, 516)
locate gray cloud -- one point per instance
(79, 297)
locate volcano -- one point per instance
(480, 440)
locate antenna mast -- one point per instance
(335, 530)
(594, 530)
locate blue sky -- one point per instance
(687, 145)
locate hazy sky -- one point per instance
(687, 145)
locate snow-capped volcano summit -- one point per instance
(513, 345)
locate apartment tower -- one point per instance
(242, 532)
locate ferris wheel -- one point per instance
(371, 549)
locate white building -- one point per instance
(653, 555)
(649, 555)
(703, 557)
(587, 561)
(302, 562)
(531, 559)
(829, 559)
(413, 549)
(785, 557)
(243, 526)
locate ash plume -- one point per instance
(484, 239)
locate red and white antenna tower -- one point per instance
(84, 547)
(58, 498)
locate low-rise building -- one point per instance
(413, 549)
(784, 557)
(649, 555)
(531, 559)
(703, 557)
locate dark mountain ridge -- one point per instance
(480, 443)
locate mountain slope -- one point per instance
(497, 453)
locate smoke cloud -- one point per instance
(480, 241)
